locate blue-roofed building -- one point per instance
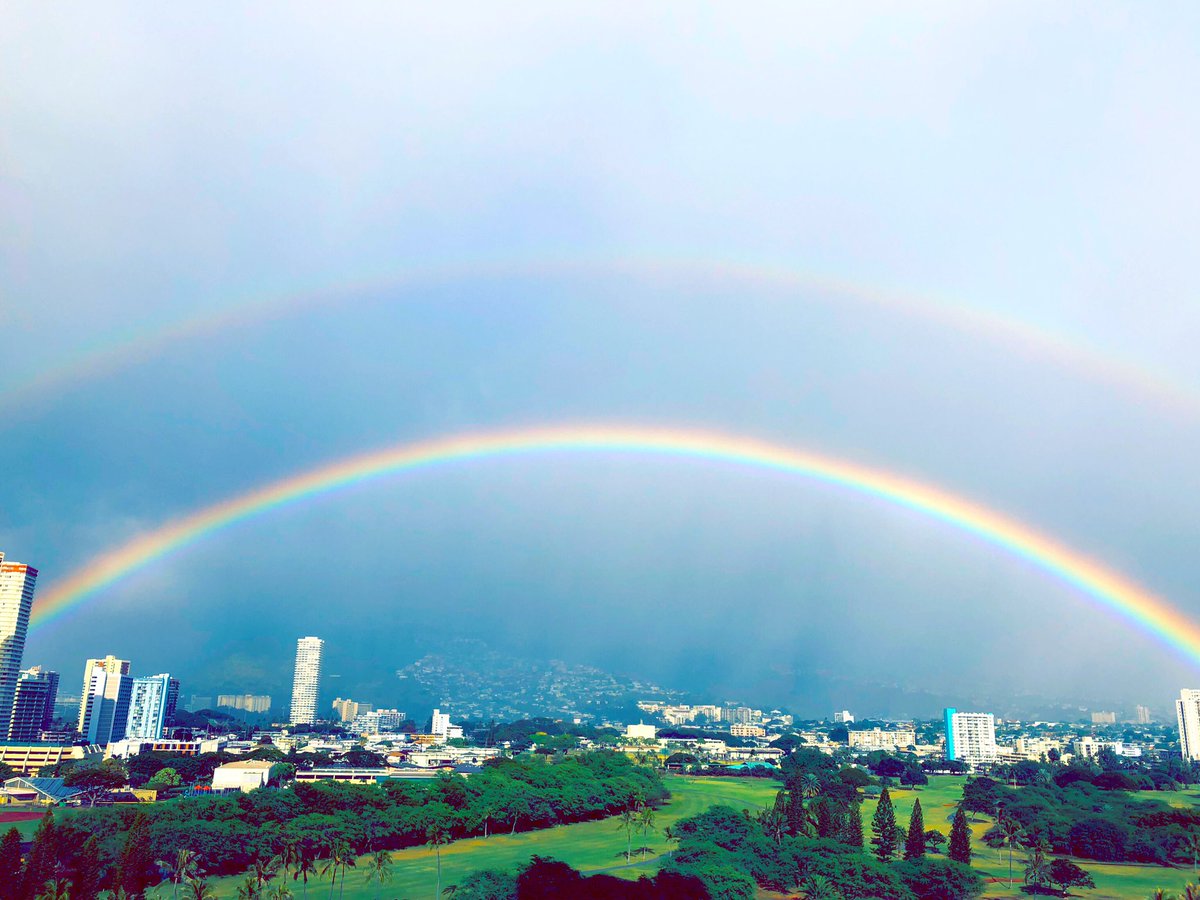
(37, 790)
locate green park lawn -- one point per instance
(588, 846)
(599, 845)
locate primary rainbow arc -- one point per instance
(1105, 587)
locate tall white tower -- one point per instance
(306, 683)
(1187, 708)
(17, 581)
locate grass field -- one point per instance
(595, 846)
(26, 825)
(588, 846)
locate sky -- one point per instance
(237, 243)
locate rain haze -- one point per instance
(954, 243)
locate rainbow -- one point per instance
(248, 311)
(1105, 588)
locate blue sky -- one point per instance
(1027, 160)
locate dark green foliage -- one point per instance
(883, 828)
(546, 879)
(486, 884)
(10, 865)
(86, 871)
(136, 870)
(960, 838)
(730, 853)
(939, 879)
(914, 841)
(852, 831)
(42, 863)
(1098, 839)
(1067, 875)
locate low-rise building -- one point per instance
(739, 729)
(245, 775)
(31, 758)
(48, 791)
(878, 739)
(127, 747)
(641, 732)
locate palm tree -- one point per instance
(198, 889)
(628, 822)
(810, 785)
(1013, 832)
(288, 856)
(1161, 894)
(341, 858)
(1037, 870)
(437, 835)
(305, 866)
(379, 869)
(263, 872)
(646, 825)
(280, 892)
(56, 889)
(249, 888)
(184, 867)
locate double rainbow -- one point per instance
(1094, 581)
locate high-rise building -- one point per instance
(1141, 715)
(33, 705)
(255, 703)
(104, 709)
(306, 683)
(349, 710)
(970, 737)
(844, 716)
(152, 703)
(17, 582)
(1104, 717)
(1187, 709)
(442, 728)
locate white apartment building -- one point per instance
(152, 703)
(742, 730)
(971, 737)
(641, 732)
(104, 709)
(442, 728)
(1187, 709)
(843, 716)
(306, 683)
(255, 703)
(17, 582)
(878, 739)
(377, 721)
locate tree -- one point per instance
(1013, 832)
(182, 868)
(883, 827)
(1037, 869)
(199, 889)
(645, 826)
(379, 870)
(934, 840)
(42, 863)
(627, 822)
(940, 879)
(960, 838)
(340, 858)
(56, 889)
(1191, 844)
(87, 871)
(852, 826)
(306, 866)
(437, 835)
(1067, 875)
(10, 865)
(819, 888)
(914, 842)
(165, 777)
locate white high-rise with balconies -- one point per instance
(152, 705)
(306, 683)
(1187, 709)
(104, 707)
(17, 582)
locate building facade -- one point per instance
(254, 703)
(33, 704)
(306, 683)
(104, 709)
(17, 582)
(152, 703)
(1187, 710)
(878, 739)
(971, 737)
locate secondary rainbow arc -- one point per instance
(1103, 586)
